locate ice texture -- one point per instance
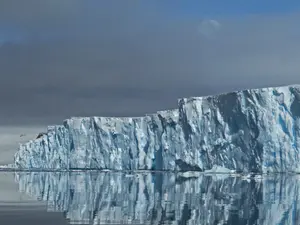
(255, 130)
(166, 198)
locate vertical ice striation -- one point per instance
(254, 130)
(165, 198)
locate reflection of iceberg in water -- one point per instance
(159, 198)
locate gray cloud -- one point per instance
(119, 58)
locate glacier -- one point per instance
(248, 131)
(165, 198)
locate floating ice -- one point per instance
(254, 130)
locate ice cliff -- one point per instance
(256, 130)
(165, 198)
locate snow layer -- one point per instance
(165, 198)
(254, 130)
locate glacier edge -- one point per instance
(254, 130)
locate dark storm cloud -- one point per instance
(124, 58)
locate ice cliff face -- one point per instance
(255, 130)
(165, 198)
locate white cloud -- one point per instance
(209, 27)
(252, 51)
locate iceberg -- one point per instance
(165, 198)
(255, 130)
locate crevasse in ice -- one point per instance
(255, 130)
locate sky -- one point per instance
(64, 58)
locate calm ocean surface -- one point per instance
(147, 198)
